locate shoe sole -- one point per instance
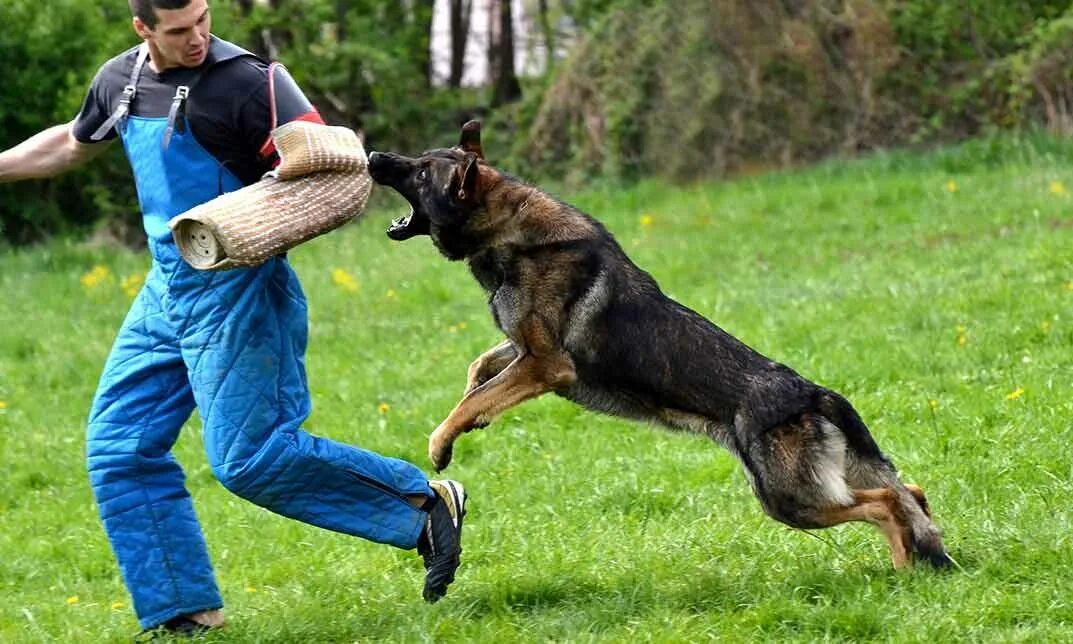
(458, 498)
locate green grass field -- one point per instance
(935, 292)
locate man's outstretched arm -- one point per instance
(47, 154)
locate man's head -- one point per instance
(177, 30)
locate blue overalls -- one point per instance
(231, 343)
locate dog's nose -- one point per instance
(374, 156)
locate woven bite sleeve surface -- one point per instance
(322, 182)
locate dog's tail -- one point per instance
(837, 409)
(867, 466)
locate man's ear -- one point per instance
(142, 29)
(470, 178)
(470, 141)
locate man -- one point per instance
(194, 114)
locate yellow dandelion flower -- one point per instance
(1069, 286)
(72, 600)
(951, 186)
(3, 404)
(391, 292)
(962, 340)
(251, 589)
(118, 605)
(960, 328)
(97, 275)
(1057, 188)
(131, 284)
(1045, 326)
(646, 220)
(383, 408)
(1015, 394)
(934, 404)
(461, 325)
(345, 280)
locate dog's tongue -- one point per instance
(406, 227)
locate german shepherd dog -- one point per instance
(583, 321)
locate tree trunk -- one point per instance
(460, 13)
(341, 8)
(260, 45)
(549, 36)
(422, 13)
(501, 53)
(273, 40)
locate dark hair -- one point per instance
(145, 10)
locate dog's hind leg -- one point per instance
(800, 472)
(879, 507)
(918, 495)
(866, 472)
(867, 468)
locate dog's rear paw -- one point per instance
(939, 560)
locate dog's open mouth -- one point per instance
(414, 224)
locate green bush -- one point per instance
(360, 61)
(51, 51)
(703, 87)
(684, 89)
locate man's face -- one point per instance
(181, 36)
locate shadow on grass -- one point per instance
(762, 597)
(537, 594)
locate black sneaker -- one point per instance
(440, 542)
(181, 626)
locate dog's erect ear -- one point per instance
(469, 178)
(470, 141)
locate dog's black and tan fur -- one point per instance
(583, 321)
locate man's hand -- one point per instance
(47, 154)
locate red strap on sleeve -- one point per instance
(268, 148)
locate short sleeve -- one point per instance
(96, 108)
(231, 115)
(278, 102)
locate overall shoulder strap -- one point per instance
(121, 111)
(220, 51)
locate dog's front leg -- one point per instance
(490, 364)
(527, 376)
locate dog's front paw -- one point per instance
(439, 451)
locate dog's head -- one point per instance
(443, 186)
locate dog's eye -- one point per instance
(421, 175)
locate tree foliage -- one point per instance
(51, 50)
(701, 87)
(683, 89)
(364, 63)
